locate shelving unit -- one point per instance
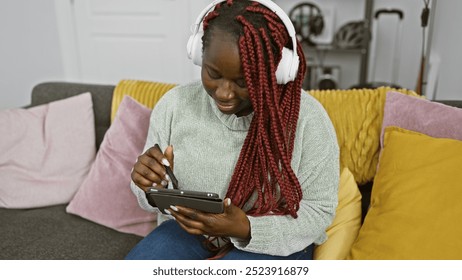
(365, 53)
(362, 52)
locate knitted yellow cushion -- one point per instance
(357, 116)
(145, 92)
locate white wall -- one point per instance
(447, 46)
(29, 49)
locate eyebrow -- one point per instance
(212, 67)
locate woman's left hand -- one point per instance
(233, 222)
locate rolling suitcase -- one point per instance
(385, 71)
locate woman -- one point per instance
(264, 145)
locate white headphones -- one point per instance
(288, 66)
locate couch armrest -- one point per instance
(101, 95)
(454, 103)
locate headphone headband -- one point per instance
(267, 3)
(289, 59)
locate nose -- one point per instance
(225, 90)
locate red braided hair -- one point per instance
(264, 164)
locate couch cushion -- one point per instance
(357, 117)
(145, 92)
(345, 226)
(46, 153)
(105, 196)
(101, 95)
(50, 234)
(415, 204)
(431, 118)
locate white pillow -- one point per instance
(46, 152)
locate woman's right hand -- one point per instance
(149, 170)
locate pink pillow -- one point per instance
(424, 116)
(46, 152)
(105, 196)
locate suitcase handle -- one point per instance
(389, 11)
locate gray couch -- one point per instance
(51, 233)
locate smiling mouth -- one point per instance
(225, 107)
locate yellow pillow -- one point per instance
(145, 92)
(357, 116)
(416, 205)
(345, 227)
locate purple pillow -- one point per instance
(105, 196)
(424, 116)
(46, 152)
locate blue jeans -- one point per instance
(170, 242)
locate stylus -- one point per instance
(172, 177)
(169, 171)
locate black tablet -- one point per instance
(203, 201)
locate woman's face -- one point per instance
(222, 75)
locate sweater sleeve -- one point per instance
(318, 172)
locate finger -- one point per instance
(151, 168)
(192, 214)
(140, 181)
(228, 207)
(227, 204)
(205, 221)
(146, 169)
(241, 222)
(156, 153)
(168, 153)
(190, 230)
(190, 217)
(185, 222)
(146, 184)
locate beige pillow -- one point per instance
(415, 207)
(347, 222)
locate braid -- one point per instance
(264, 164)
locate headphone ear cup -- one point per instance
(194, 48)
(287, 67)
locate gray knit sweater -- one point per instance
(207, 144)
